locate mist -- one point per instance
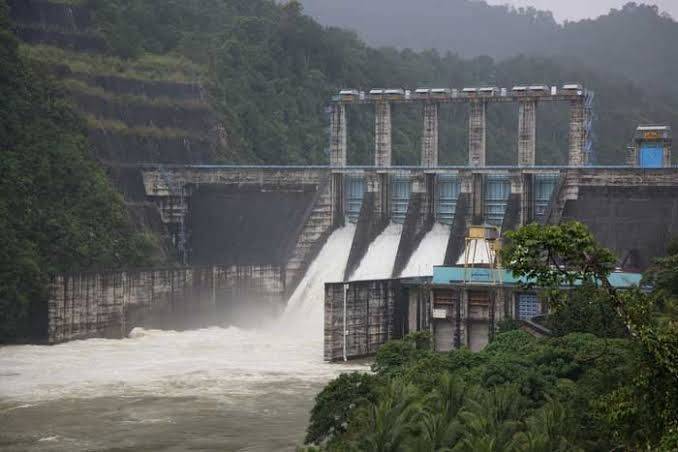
(573, 10)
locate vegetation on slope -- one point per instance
(604, 383)
(470, 28)
(57, 209)
(271, 70)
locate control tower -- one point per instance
(651, 147)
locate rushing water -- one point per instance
(214, 389)
(431, 252)
(380, 257)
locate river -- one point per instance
(221, 388)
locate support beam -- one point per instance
(429, 144)
(527, 132)
(382, 138)
(338, 135)
(577, 133)
(477, 132)
(419, 220)
(338, 200)
(374, 217)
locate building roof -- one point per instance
(451, 276)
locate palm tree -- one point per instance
(548, 430)
(490, 420)
(439, 423)
(391, 422)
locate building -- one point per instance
(460, 305)
(651, 147)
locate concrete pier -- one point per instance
(338, 137)
(577, 133)
(419, 220)
(429, 144)
(382, 139)
(477, 133)
(373, 219)
(527, 132)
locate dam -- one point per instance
(247, 235)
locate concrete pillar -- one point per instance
(477, 131)
(478, 199)
(429, 144)
(382, 137)
(577, 133)
(338, 135)
(526, 198)
(632, 156)
(338, 209)
(527, 132)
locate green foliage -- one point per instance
(554, 256)
(508, 324)
(577, 391)
(395, 354)
(57, 209)
(520, 393)
(602, 43)
(557, 256)
(336, 402)
(270, 71)
(587, 311)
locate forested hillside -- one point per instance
(57, 209)
(636, 42)
(268, 70)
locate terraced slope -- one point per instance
(149, 109)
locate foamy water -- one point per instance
(380, 257)
(306, 317)
(257, 375)
(431, 252)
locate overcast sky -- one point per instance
(580, 9)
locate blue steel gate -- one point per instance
(652, 155)
(400, 198)
(354, 188)
(497, 191)
(544, 184)
(529, 306)
(448, 195)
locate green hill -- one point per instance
(636, 42)
(58, 211)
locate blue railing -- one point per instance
(396, 168)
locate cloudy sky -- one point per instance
(579, 9)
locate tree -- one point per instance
(559, 256)
(58, 211)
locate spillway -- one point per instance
(431, 252)
(304, 312)
(217, 388)
(380, 256)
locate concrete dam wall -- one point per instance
(275, 221)
(111, 304)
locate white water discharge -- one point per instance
(431, 252)
(216, 388)
(380, 257)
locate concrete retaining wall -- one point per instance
(110, 304)
(362, 316)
